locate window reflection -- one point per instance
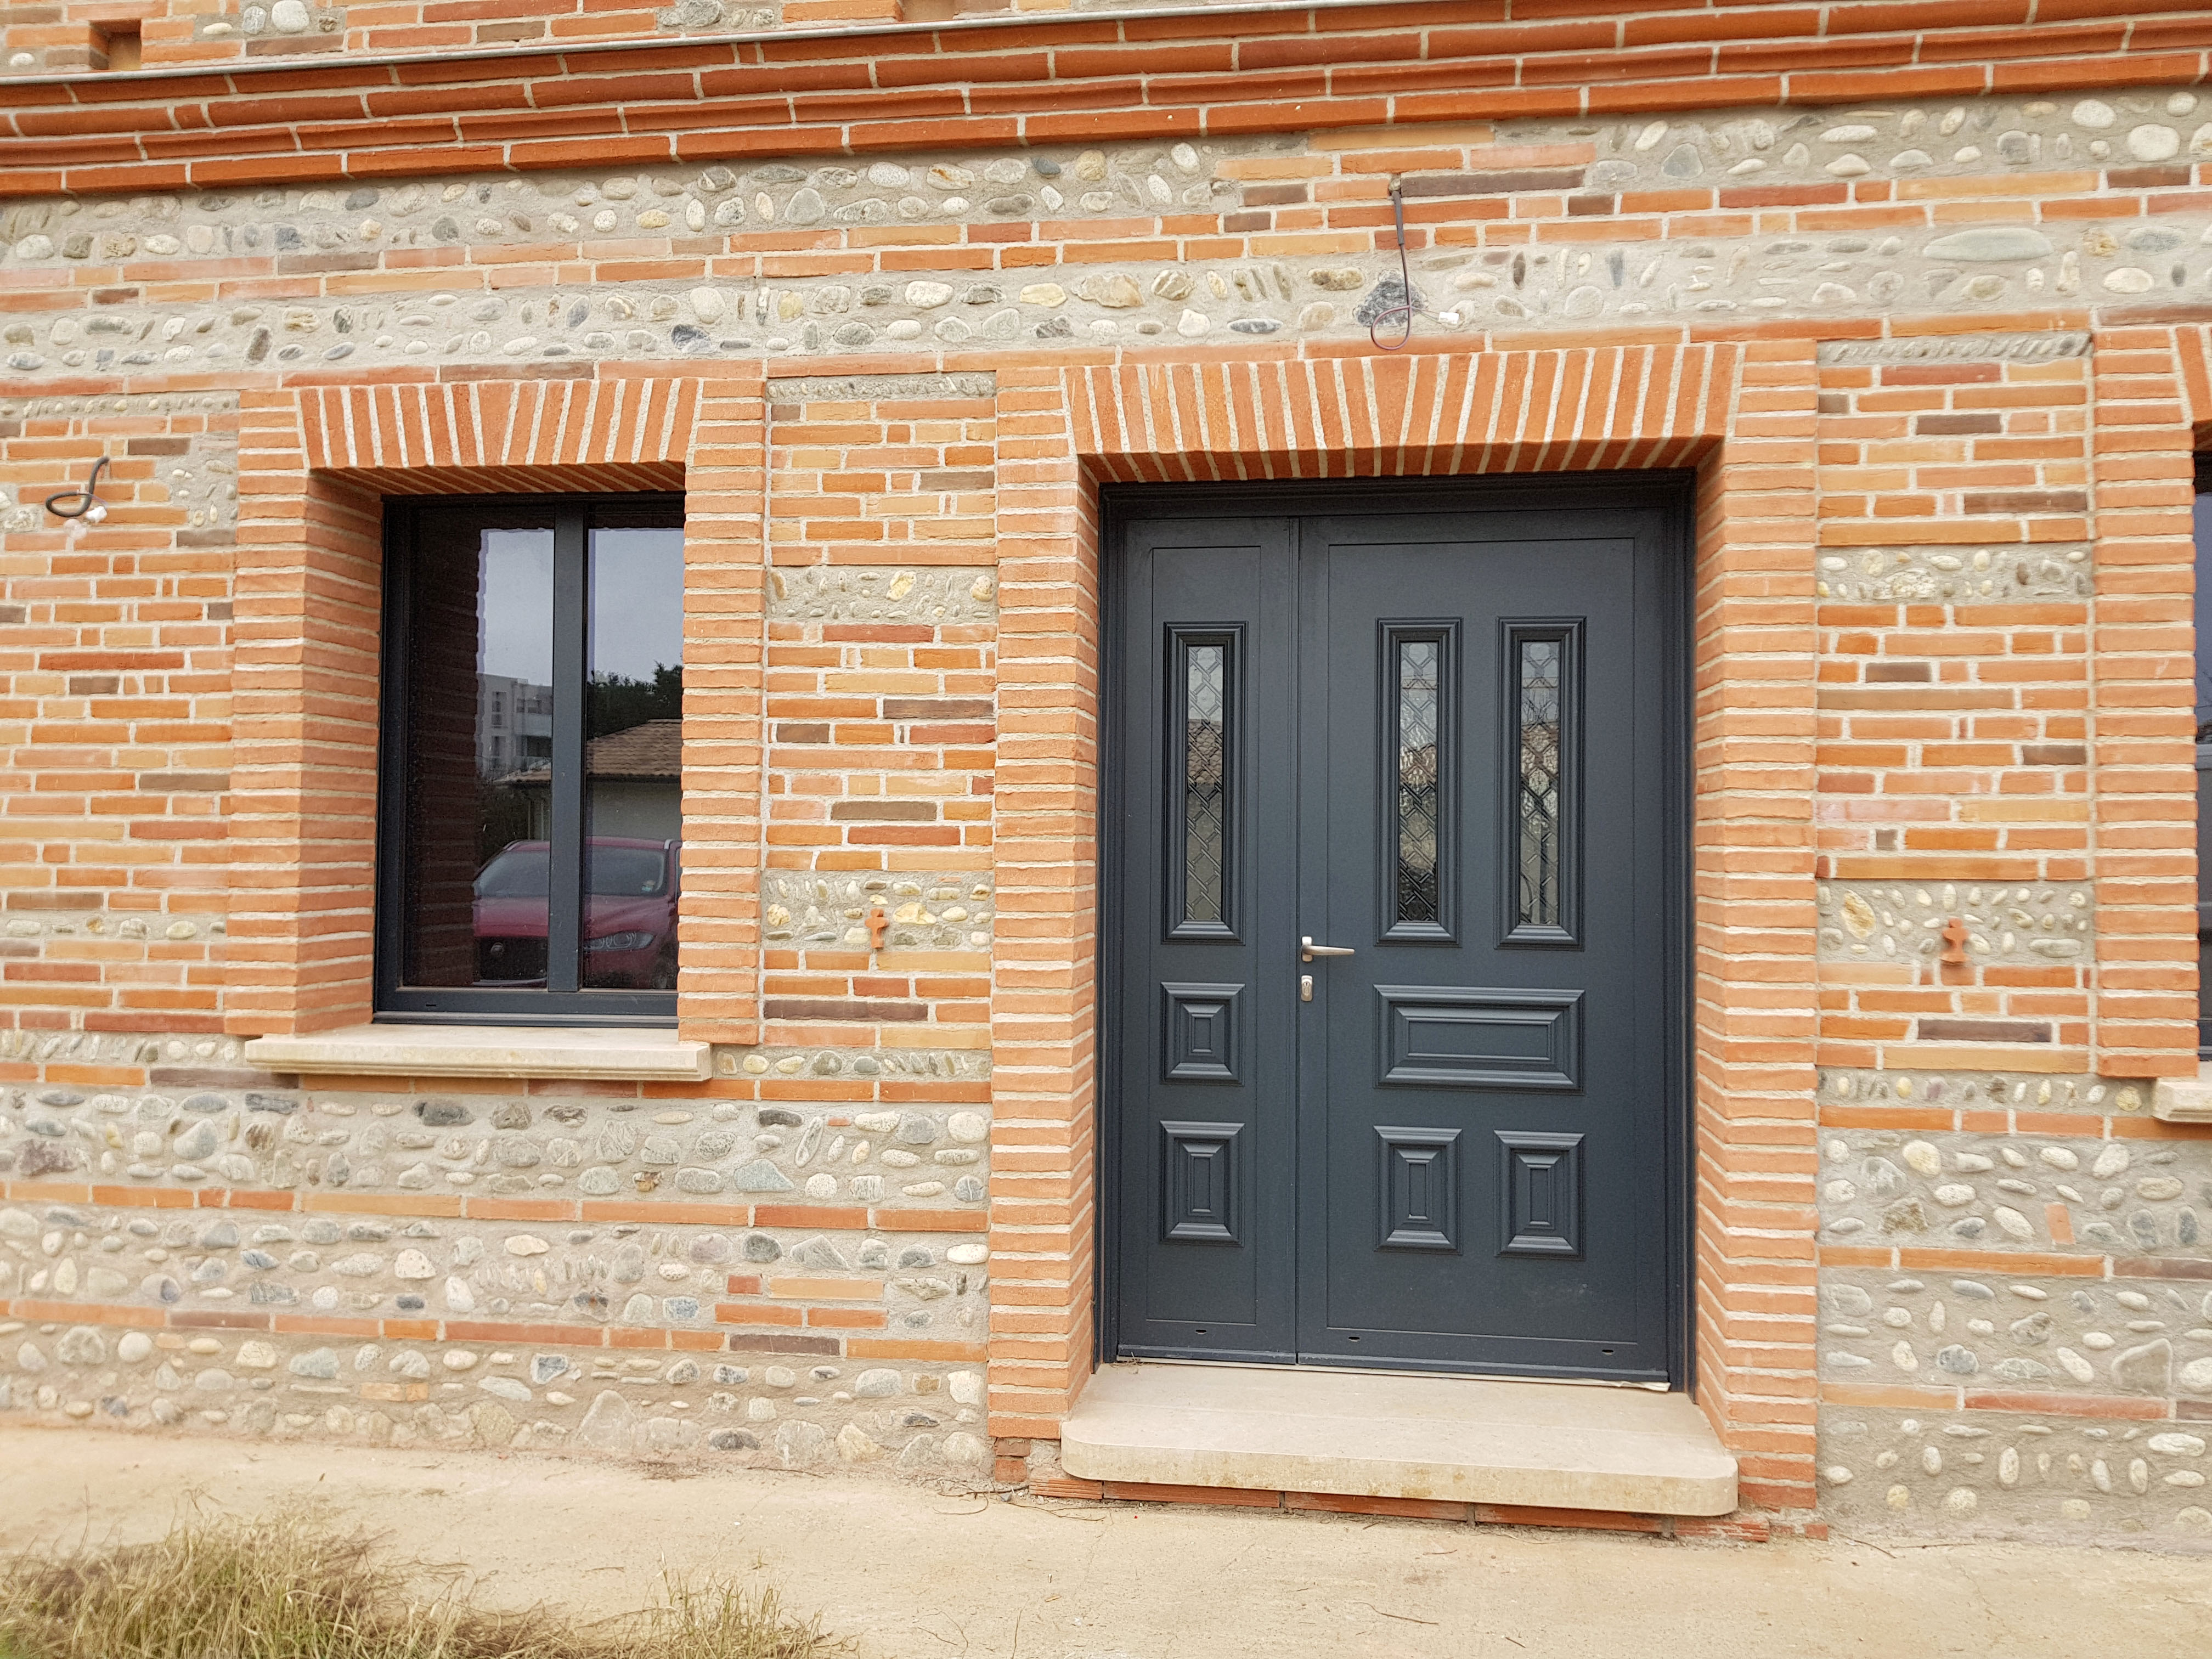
(480, 726)
(494, 815)
(632, 757)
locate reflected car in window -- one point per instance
(629, 915)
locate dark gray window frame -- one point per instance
(400, 1003)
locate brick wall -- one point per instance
(1494, 44)
(1938, 366)
(1955, 704)
(118, 651)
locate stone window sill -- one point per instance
(517, 1051)
(2183, 1099)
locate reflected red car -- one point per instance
(629, 915)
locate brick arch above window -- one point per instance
(472, 436)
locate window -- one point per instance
(533, 877)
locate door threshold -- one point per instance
(1402, 1370)
(1392, 1434)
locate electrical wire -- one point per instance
(88, 503)
(1404, 281)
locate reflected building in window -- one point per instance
(514, 725)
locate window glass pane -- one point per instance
(632, 757)
(1421, 897)
(479, 724)
(1536, 803)
(1205, 780)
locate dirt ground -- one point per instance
(916, 1574)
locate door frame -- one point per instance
(1673, 491)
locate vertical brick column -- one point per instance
(1753, 1151)
(1043, 999)
(117, 682)
(880, 714)
(725, 619)
(303, 771)
(2145, 656)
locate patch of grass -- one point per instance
(284, 1587)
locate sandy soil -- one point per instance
(916, 1574)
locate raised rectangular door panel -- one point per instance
(1539, 1193)
(1419, 1195)
(1437, 730)
(1198, 1182)
(1199, 1029)
(1479, 1037)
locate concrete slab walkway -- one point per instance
(916, 1574)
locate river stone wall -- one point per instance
(2007, 923)
(2015, 1332)
(1327, 285)
(489, 1269)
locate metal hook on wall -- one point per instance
(89, 505)
(1405, 310)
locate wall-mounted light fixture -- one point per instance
(83, 504)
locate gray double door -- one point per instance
(1397, 911)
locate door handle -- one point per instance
(1308, 950)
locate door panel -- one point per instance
(1205, 1061)
(1448, 730)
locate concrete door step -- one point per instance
(1367, 1434)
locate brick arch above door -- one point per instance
(1577, 409)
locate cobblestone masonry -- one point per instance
(2015, 1313)
(1954, 1278)
(1631, 221)
(393, 1267)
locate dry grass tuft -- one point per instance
(286, 1589)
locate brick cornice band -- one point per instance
(1079, 79)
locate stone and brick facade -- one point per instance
(1923, 294)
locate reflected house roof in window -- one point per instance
(651, 748)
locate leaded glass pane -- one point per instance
(1537, 802)
(1419, 896)
(1205, 780)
